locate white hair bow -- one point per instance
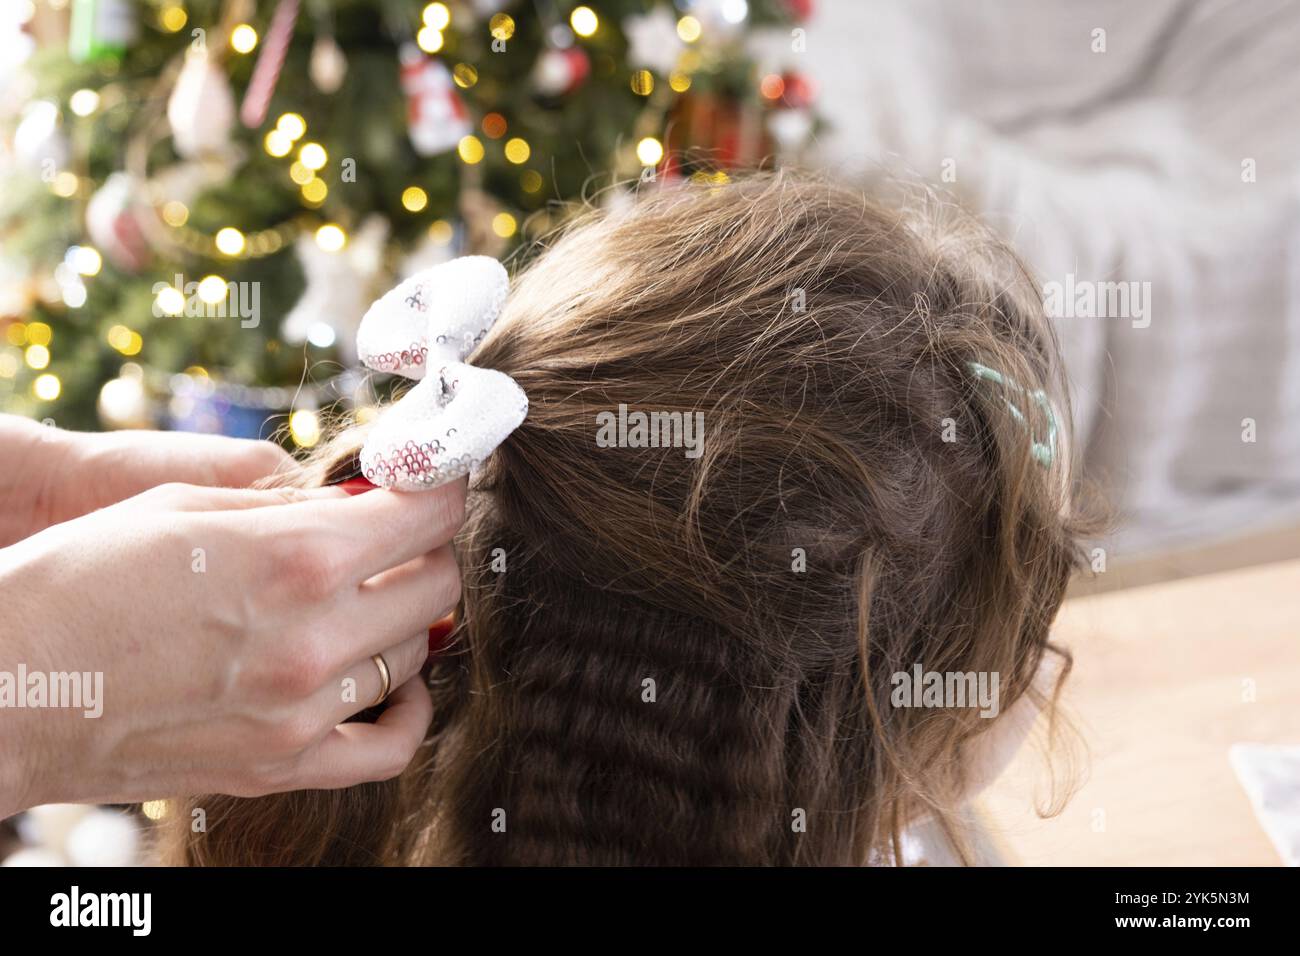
(454, 418)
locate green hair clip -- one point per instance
(1044, 452)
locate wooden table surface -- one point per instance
(1167, 677)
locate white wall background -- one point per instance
(1122, 165)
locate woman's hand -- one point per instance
(50, 475)
(233, 630)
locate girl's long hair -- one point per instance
(669, 659)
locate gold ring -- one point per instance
(385, 679)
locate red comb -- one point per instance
(357, 485)
(438, 635)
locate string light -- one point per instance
(212, 289)
(429, 39)
(313, 156)
(65, 184)
(464, 75)
(470, 149)
(331, 237)
(169, 301)
(119, 337)
(643, 82)
(531, 180)
(47, 387)
(291, 125)
(230, 241)
(414, 199)
(494, 125)
(87, 260)
(441, 232)
(300, 174)
(689, 29)
(679, 82)
(321, 335)
(38, 333)
(315, 191)
(277, 143)
(437, 16)
(243, 38)
(133, 344)
(36, 356)
(584, 21)
(154, 809)
(772, 86)
(735, 11)
(264, 243)
(649, 151)
(504, 225)
(517, 151)
(175, 213)
(502, 26)
(122, 399)
(173, 18)
(304, 427)
(83, 102)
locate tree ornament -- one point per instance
(336, 288)
(435, 116)
(721, 19)
(560, 72)
(39, 142)
(100, 30)
(790, 127)
(261, 87)
(800, 10)
(328, 65)
(201, 108)
(797, 90)
(113, 222)
(653, 42)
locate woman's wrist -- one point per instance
(35, 457)
(18, 737)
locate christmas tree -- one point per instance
(202, 196)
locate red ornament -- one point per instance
(799, 9)
(799, 91)
(436, 118)
(559, 72)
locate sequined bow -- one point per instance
(458, 414)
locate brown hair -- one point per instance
(655, 678)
